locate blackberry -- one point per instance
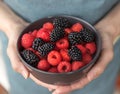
(61, 22)
(75, 53)
(57, 34)
(45, 49)
(75, 38)
(87, 35)
(31, 58)
(37, 42)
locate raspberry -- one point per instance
(91, 47)
(64, 54)
(27, 40)
(77, 27)
(75, 38)
(61, 22)
(57, 34)
(45, 49)
(34, 33)
(37, 42)
(82, 48)
(31, 58)
(68, 30)
(43, 34)
(53, 69)
(62, 44)
(43, 65)
(76, 65)
(54, 58)
(48, 25)
(87, 35)
(86, 58)
(64, 66)
(75, 53)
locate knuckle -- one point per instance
(15, 67)
(111, 55)
(99, 71)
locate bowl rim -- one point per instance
(66, 73)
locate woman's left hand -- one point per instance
(98, 69)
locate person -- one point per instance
(15, 15)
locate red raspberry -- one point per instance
(77, 27)
(68, 30)
(91, 47)
(86, 58)
(43, 34)
(53, 69)
(31, 49)
(27, 40)
(54, 58)
(62, 44)
(64, 54)
(34, 33)
(76, 65)
(64, 66)
(48, 25)
(43, 65)
(82, 48)
(38, 54)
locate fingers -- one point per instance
(52, 87)
(15, 61)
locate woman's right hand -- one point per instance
(14, 59)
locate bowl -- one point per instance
(60, 78)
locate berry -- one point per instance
(37, 42)
(48, 25)
(77, 27)
(75, 38)
(75, 53)
(82, 48)
(61, 22)
(53, 69)
(43, 34)
(43, 65)
(34, 33)
(57, 34)
(31, 49)
(27, 40)
(64, 66)
(87, 35)
(45, 49)
(68, 30)
(54, 58)
(62, 44)
(86, 58)
(30, 57)
(64, 54)
(76, 65)
(91, 47)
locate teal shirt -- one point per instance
(89, 10)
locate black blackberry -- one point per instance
(31, 58)
(45, 49)
(87, 35)
(37, 42)
(57, 34)
(61, 22)
(75, 53)
(75, 38)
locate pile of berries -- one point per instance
(59, 46)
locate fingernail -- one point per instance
(24, 74)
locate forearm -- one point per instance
(111, 22)
(9, 21)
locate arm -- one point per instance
(12, 25)
(109, 28)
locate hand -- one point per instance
(15, 61)
(98, 69)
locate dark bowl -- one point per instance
(60, 78)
